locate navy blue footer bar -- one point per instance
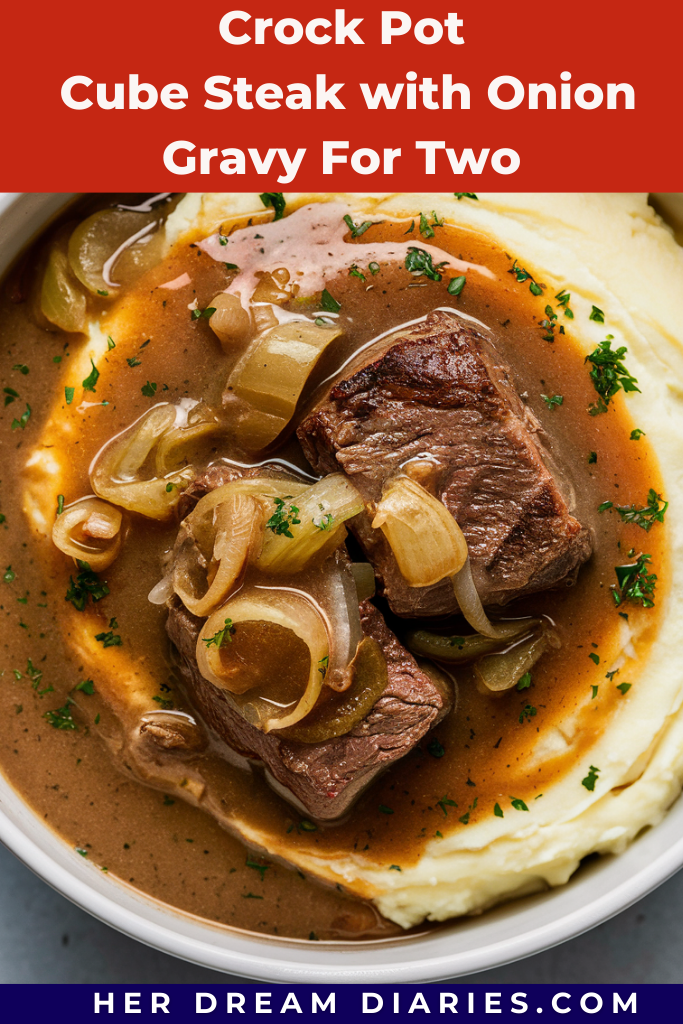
(247, 1002)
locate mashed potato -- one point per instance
(612, 251)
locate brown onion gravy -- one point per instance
(173, 851)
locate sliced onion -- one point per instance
(364, 578)
(116, 471)
(290, 609)
(162, 591)
(89, 530)
(332, 585)
(173, 445)
(322, 510)
(97, 245)
(231, 323)
(455, 650)
(473, 610)
(500, 672)
(426, 541)
(204, 574)
(61, 299)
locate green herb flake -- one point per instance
(21, 367)
(261, 868)
(69, 395)
(56, 359)
(231, 266)
(465, 195)
(553, 401)
(456, 285)
(410, 229)
(592, 458)
(167, 802)
(23, 419)
(329, 303)
(644, 517)
(374, 268)
(609, 374)
(564, 298)
(284, 517)
(203, 314)
(9, 574)
(394, 867)
(355, 272)
(222, 636)
(498, 811)
(109, 639)
(85, 686)
(164, 703)
(594, 692)
(527, 713)
(307, 826)
(597, 315)
(525, 682)
(635, 583)
(222, 239)
(419, 262)
(444, 803)
(624, 687)
(110, 343)
(60, 504)
(425, 228)
(87, 585)
(101, 291)
(10, 395)
(134, 361)
(385, 810)
(323, 665)
(436, 749)
(636, 434)
(92, 378)
(518, 804)
(591, 778)
(594, 658)
(521, 274)
(61, 718)
(149, 389)
(359, 229)
(276, 200)
(81, 851)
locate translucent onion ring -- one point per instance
(89, 530)
(473, 610)
(291, 609)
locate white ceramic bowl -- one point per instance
(598, 891)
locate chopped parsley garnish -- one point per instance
(203, 314)
(134, 361)
(552, 401)
(101, 291)
(222, 636)
(276, 200)
(634, 583)
(36, 677)
(62, 718)
(110, 343)
(636, 434)
(457, 641)
(23, 419)
(60, 504)
(92, 378)
(594, 691)
(329, 303)
(251, 896)
(419, 262)
(518, 804)
(81, 851)
(167, 802)
(595, 658)
(611, 675)
(498, 811)
(109, 639)
(522, 274)
(10, 395)
(355, 272)
(394, 867)
(597, 315)
(374, 268)
(410, 229)
(624, 687)
(284, 517)
(325, 520)
(231, 266)
(222, 239)
(149, 389)
(323, 321)
(359, 229)
(426, 230)
(385, 810)
(609, 374)
(85, 686)
(456, 285)
(164, 703)
(444, 803)
(261, 868)
(525, 682)
(87, 584)
(591, 778)
(465, 195)
(69, 395)
(645, 517)
(564, 299)
(323, 665)
(307, 826)
(21, 367)
(9, 575)
(592, 458)
(436, 749)
(548, 325)
(527, 713)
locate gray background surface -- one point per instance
(44, 938)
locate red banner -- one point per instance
(497, 96)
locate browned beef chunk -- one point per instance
(325, 778)
(442, 393)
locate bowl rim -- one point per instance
(646, 864)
